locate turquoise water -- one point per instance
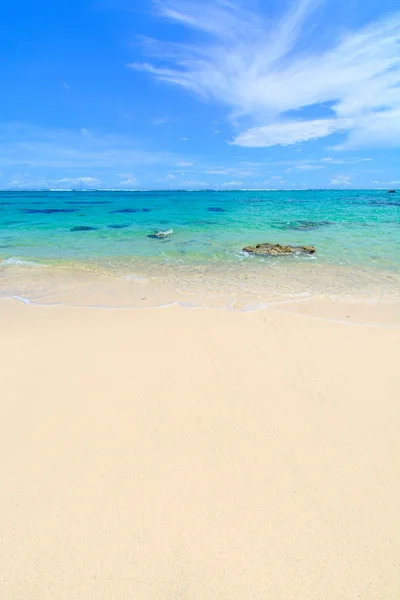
(354, 231)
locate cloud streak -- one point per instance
(264, 71)
(341, 180)
(24, 146)
(86, 183)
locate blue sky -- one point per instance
(226, 94)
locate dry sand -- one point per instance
(175, 454)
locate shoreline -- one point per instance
(376, 314)
(245, 286)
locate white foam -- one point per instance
(19, 262)
(164, 233)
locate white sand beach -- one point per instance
(165, 454)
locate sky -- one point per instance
(193, 94)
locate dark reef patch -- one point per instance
(301, 225)
(118, 226)
(127, 211)
(88, 202)
(47, 211)
(385, 202)
(216, 209)
(83, 228)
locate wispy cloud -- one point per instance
(231, 184)
(23, 146)
(305, 167)
(341, 180)
(288, 132)
(395, 182)
(275, 182)
(344, 161)
(128, 179)
(162, 121)
(262, 70)
(63, 183)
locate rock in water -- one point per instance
(278, 249)
(160, 235)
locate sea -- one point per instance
(99, 247)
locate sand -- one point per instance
(177, 454)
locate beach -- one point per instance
(200, 300)
(103, 246)
(176, 453)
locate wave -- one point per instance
(20, 262)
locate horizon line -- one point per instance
(137, 190)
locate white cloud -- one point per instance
(344, 161)
(262, 69)
(231, 184)
(220, 171)
(305, 167)
(79, 180)
(130, 180)
(184, 164)
(171, 176)
(395, 182)
(289, 132)
(275, 182)
(241, 170)
(193, 184)
(341, 180)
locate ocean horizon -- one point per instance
(210, 189)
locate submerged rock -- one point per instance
(83, 228)
(391, 191)
(215, 209)
(161, 235)
(278, 249)
(118, 226)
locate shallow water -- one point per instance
(51, 241)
